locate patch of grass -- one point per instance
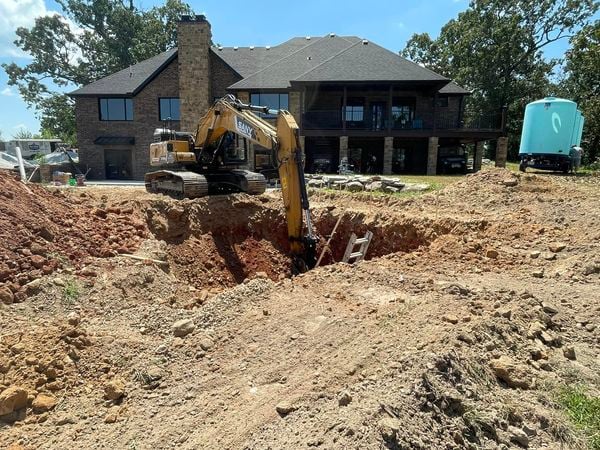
(71, 291)
(584, 412)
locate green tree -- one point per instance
(95, 38)
(494, 48)
(23, 134)
(582, 84)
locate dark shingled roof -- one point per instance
(246, 60)
(319, 59)
(366, 61)
(279, 74)
(453, 88)
(131, 80)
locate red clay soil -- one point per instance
(41, 230)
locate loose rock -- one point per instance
(114, 389)
(6, 295)
(43, 403)
(284, 408)
(12, 399)
(344, 398)
(518, 436)
(513, 374)
(183, 327)
(569, 352)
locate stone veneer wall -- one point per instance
(194, 40)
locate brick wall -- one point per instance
(221, 77)
(145, 121)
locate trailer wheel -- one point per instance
(522, 167)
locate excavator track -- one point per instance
(185, 184)
(177, 184)
(253, 184)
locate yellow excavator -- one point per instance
(205, 163)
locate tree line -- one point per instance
(494, 48)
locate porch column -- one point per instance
(343, 147)
(478, 156)
(251, 160)
(501, 151)
(388, 151)
(432, 153)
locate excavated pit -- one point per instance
(220, 241)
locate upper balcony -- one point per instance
(411, 122)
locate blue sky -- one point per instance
(389, 23)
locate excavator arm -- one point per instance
(230, 115)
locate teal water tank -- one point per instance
(580, 133)
(548, 127)
(576, 124)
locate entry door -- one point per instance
(117, 164)
(378, 115)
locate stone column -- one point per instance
(343, 147)
(478, 156)
(294, 106)
(501, 151)
(388, 151)
(432, 154)
(194, 37)
(250, 155)
(243, 97)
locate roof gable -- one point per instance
(131, 80)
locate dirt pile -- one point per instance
(38, 366)
(220, 241)
(478, 306)
(41, 230)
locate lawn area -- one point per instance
(436, 181)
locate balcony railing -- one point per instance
(444, 120)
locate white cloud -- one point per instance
(7, 91)
(400, 25)
(14, 14)
(21, 13)
(21, 126)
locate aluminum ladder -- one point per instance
(350, 254)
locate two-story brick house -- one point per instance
(351, 98)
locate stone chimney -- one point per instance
(194, 38)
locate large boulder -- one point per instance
(416, 187)
(355, 186)
(374, 186)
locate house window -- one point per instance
(355, 110)
(169, 108)
(116, 109)
(403, 112)
(270, 100)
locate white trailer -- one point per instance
(32, 147)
